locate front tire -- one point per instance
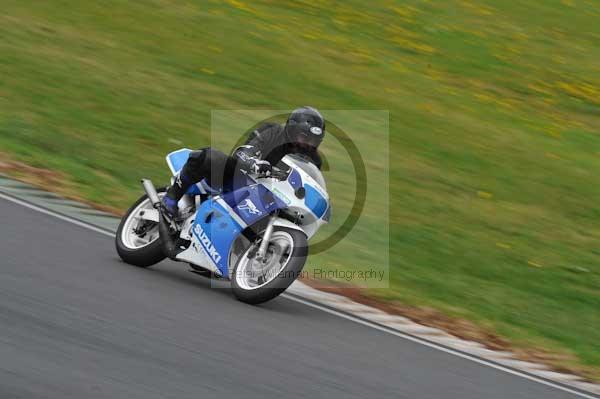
(144, 247)
(287, 253)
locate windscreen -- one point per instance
(309, 167)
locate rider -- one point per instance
(302, 133)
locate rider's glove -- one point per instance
(261, 167)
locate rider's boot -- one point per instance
(169, 206)
(174, 194)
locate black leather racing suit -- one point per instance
(268, 142)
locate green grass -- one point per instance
(494, 122)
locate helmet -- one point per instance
(305, 127)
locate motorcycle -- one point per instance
(254, 235)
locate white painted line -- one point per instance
(439, 347)
(56, 215)
(335, 312)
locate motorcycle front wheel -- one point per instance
(138, 240)
(255, 281)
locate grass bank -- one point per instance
(494, 107)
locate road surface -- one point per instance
(76, 322)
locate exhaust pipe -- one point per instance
(169, 246)
(151, 192)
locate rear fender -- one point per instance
(176, 160)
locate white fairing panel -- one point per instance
(195, 253)
(296, 207)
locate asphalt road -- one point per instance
(76, 322)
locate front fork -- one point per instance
(264, 244)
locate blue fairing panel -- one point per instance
(221, 219)
(252, 203)
(177, 159)
(216, 230)
(295, 179)
(315, 201)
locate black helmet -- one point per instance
(306, 127)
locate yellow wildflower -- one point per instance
(534, 264)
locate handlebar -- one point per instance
(276, 173)
(279, 174)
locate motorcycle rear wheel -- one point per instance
(145, 249)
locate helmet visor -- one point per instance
(305, 135)
(308, 140)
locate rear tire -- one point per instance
(144, 256)
(284, 278)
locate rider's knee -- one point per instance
(196, 158)
(214, 158)
(204, 161)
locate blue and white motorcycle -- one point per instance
(255, 235)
